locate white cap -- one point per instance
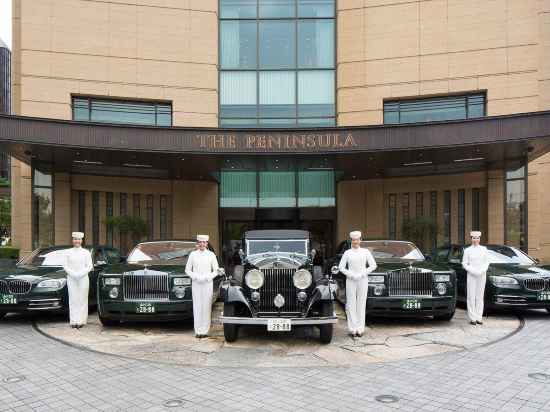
(77, 235)
(355, 234)
(475, 233)
(202, 238)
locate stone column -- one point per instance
(21, 206)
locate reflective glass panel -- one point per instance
(238, 44)
(43, 217)
(277, 189)
(316, 93)
(238, 9)
(277, 8)
(316, 44)
(515, 213)
(238, 94)
(316, 8)
(277, 44)
(277, 122)
(316, 189)
(277, 94)
(238, 189)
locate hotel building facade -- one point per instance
(217, 116)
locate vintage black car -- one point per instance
(404, 284)
(151, 285)
(514, 279)
(38, 282)
(277, 286)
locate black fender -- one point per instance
(235, 294)
(322, 292)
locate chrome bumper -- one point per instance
(234, 320)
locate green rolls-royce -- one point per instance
(514, 279)
(38, 283)
(404, 284)
(151, 285)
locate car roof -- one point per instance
(276, 234)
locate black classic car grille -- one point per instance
(535, 284)
(146, 287)
(410, 282)
(16, 286)
(278, 281)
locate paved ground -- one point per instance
(384, 341)
(57, 377)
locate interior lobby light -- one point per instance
(136, 165)
(88, 162)
(471, 159)
(418, 163)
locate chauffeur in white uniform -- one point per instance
(78, 264)
(354, 265)
(202, 268)
(476, 262)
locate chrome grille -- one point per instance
(146, 285)
(410, 282)
(535, 284)
(15, 286)
(4, 287)
(278, 281)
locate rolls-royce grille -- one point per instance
(146, 286)
(16, 286)
(410, 282)
(535, 284)
(278, 281)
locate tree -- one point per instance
(418, 229)
(135, 226)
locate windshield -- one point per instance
(161, 251)
(52, 256)
(282, 246)
(393, 250)
(507, 254)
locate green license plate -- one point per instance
(8, 300)
(145, 308)
(411, 304)
(543, 296)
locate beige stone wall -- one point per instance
(21, 201)
(144, 49)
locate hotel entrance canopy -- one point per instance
(198, 153)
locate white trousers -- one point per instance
(202, 306)
(78, 300)
(475, 295)
(356, 303)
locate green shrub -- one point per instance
(8, 252)
(419, 229)
(133, 225)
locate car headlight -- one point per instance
(111, 281)
(179, 291)
(442, 278)
(441, 288)
(378, 290)
(334, 270)
(182, 281)
(376, 278)
(221, 272)
(302, 279)
(503, 281)
(254, 279)
(113, 293)
(52, 283)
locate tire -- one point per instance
(446, 317)
(547, 309)
(3, 314)
(326, 331)
(108, 322)
(230, 332)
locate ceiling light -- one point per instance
(417, 163)
(136, 165)
(470, 159)
(88, 162)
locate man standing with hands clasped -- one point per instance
(78, 264)
(476, 262)
(202, 268)
(354, 265)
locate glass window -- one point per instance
(433, 215)
(515, 210)
(43, 217)
(163, 216)
(277, 44)
(277, 94)
(316, 44)
(240, 123)
(476, 207)
(238, 9)
(316, 189)
(277, 8)
(419, 203)
(238, 44)
(136, 204)
(42, 178)
(109, 213)
(405, 207)
(316, 93)
(316, 8)
(276, 122)
(150, 216)
(238, 94)
(434, 109)
(323, 122)
(82, 211)
(392, 216)
(447, 217)
(461, 216)
(95, 218)
(277, 189)
(238, 189)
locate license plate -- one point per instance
(278, 325)
(145, 308)
(8, 300)
(543, 296)
(411, 304)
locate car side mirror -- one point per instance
(428, 258)
(241, 253)
(313, 253)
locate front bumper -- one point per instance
(33, 303)
(523, 301)
(234, 320)
(392, 307)
(121, 310)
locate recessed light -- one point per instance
(418, 163)
(470, 159)
(137, 165)
(88, 162)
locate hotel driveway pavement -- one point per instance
(41, 374)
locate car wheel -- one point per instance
(446, 317)
(230, 332)
(2, 314)
(326, 330)
(108, 322)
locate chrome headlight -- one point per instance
(503, 281)
(182, 281)
(52, 283)
(378, 290)
(179, 291)
(302, 279)
(221, 272)
(441, 288)
(334, 270)
(111, 281)
(438, 277)
(376, 278)
(113, 293)
(254, 279)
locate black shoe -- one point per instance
(73, 326)
(359, 335)
(473, 323)
(479, 322)
(198, 336)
